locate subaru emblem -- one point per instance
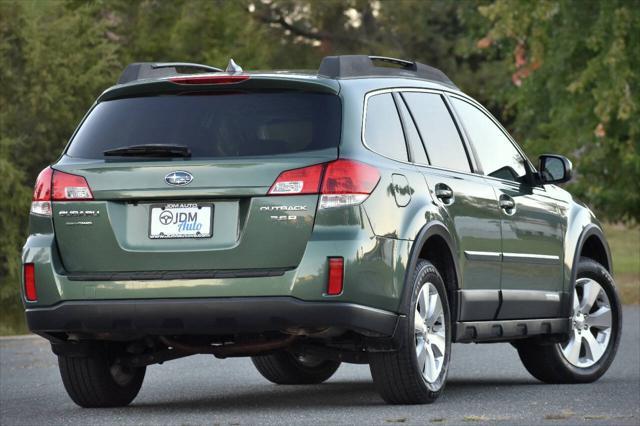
(178, 178)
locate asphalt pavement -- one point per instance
(487, 384)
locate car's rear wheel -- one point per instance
(286, 368)
(417, 372)
(98, 381)
(596, 322)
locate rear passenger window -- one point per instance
(439, 133)
(382, 129)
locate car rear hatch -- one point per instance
(179, 179)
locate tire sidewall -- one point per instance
(588, 268)
(427, 273)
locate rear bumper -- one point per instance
(211, 316)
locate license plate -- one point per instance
(181, 220)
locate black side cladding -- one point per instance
(346, 66)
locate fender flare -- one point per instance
(429, 230)
(588, 231)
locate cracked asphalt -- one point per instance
(487, 384)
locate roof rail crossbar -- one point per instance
(353, 66)
(140, 70)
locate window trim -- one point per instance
(415, 125)
(404, 129)
(442, 93)
(398, 99)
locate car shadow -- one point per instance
(330, 394)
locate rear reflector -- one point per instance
(344, 182)
(30, 283)
(336, 276)
(209, 79)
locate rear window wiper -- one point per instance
(149, 150)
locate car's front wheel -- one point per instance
(417, 372)
(98, 380)
(596, 323)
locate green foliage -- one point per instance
(561, 75)
(581, 96)
(15, 204)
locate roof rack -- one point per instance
(139, 70)
(346, 66)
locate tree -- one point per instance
(576, 72)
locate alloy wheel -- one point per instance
(430, 333)
(591, 324)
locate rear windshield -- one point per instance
(213, 126)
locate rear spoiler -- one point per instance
(253, 82)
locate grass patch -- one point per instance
(625, 251)
(12, 320)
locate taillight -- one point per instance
(30, 282)
(209, 79)
(347, 182)
(68, 187)
(54, 185)
(41, 204)
(344, 182)
(298, 181)
(336, 276)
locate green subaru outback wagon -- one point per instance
(368, 212)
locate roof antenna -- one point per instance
(233, 67)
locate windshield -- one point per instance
(213, 125)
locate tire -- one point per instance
(581, 359)
(398, 376)
(284, 368)
(95, 381)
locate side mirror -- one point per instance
(554, 168)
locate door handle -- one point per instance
(507, 204)
(444, 194)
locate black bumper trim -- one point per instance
(212, 316)
(176, 275)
